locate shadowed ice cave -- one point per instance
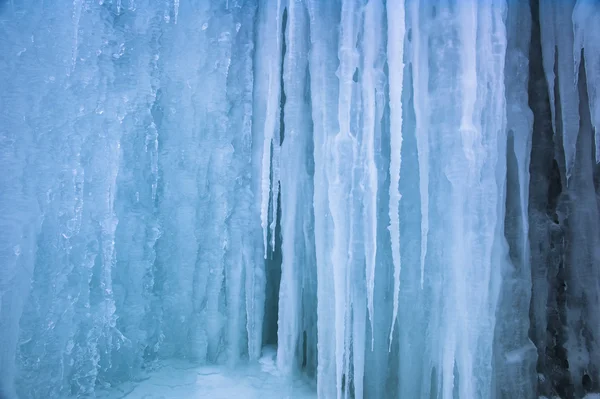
(299, 199)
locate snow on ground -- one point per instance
(181, 380)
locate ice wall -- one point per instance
(128, 206)
(402, 195)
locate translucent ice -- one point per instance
(382, 199)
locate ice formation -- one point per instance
(402, 195)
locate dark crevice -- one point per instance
(282, 97)
(547, 230)
(554, 190)
(273, 276)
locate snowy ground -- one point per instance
(180, 380)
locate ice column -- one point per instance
(460, 107)
(296, 191)
(323, 63)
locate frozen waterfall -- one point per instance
(335, 199)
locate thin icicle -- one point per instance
(556, 27)
(348, 320)
(420, 76)
(586, 26)
(275, 176)
(265, 189)
(359, 319)
(395, 49)
(371, 45)
(176, 10)
(548, 37)
(567, 86)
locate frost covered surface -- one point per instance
(401, 195)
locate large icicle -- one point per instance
(324, 18)
(421, 104)
(567, 82)
(295, 191)
(586, 26)
(514, 369)
(342, 164)
(372, 21)
(395, 49)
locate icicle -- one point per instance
(548, 37)
(324, 99)
(343, 162)
(586, 26)
(271, 116)
(569, 96)
(275, 176)
(519, 115)
(359, 319)
(175, 10)
(395, 47)
(557, 50)
(421, 103)
(348, 331)
(515, 298)
(371, 40)
(343, 148)
(357, 295)
(266, 181)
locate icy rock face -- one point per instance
(564, 199)
(401, 195)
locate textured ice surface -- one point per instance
(362, 183)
